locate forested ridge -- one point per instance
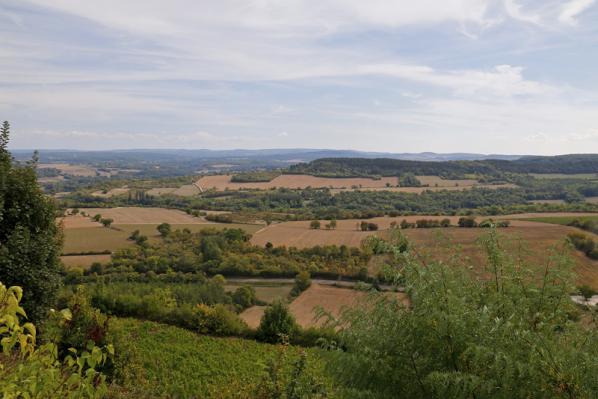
(353, 167)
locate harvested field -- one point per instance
(188, 190)
(222, 182)
(96, 239)
(78, 222)
(539, 238)
(253, 315)
(83, 261)
(68, 169)
(304, 308)
(419, 190)
(298, 234)
(138, 215)
(81, 234)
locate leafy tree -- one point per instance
(507, 336)
(467, 221)
(315, 224)
(276, 324)
(134, 235)
(97, 217)
(244, 296)
(30, 240)
(302, 282)
(164, 229)
(107, 222)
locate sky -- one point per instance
(484, 76)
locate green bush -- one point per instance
(27, 371)
(277, 324)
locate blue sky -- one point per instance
(489, 76)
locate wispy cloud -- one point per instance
(445, 75)
(572, 9)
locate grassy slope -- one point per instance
(164, 361)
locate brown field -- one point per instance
(538, 238)
(77, 222)
(338, 184)
(298, 234)
(81, 234)
(68, 169)
(138, 215)
(304, 308)
(97, 239)
(111, 193)
(253, 315)
(222, 182)
(53, 179)
(419, 190)
(188, 190)
(83, 261)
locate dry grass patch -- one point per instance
(68, 169)
(138, 215)
(222, 182)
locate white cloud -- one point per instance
(572, 9)
(515, 11)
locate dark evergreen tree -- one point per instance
(30, 240)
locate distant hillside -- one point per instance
(353, 167)
(267, 157)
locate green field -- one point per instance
(98, 239)
(160, 361)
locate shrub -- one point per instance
(315, 224)
(276, 324)
(27, 371)
(244, 296)
(164, 229)
(107, 222)
(302, 282)
(467, 221)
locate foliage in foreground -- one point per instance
(30, 240)
(507, 336)
(158, 361)
(27, 371)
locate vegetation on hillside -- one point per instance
(255, 177)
